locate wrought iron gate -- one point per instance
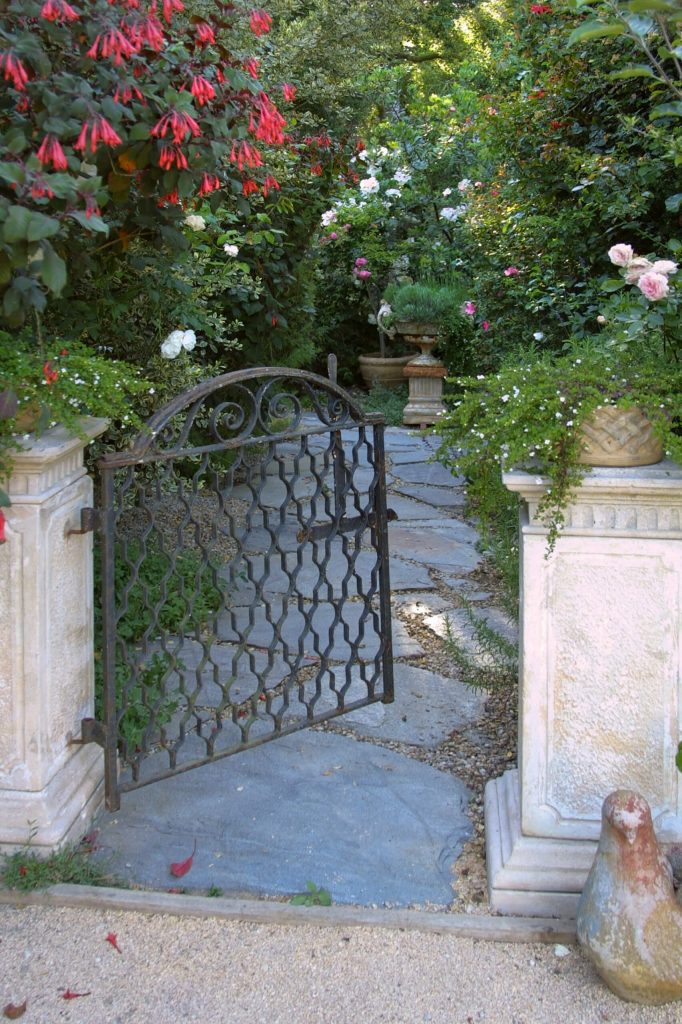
(244, 564)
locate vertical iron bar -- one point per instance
(381, 533)
(338, 454)
(112, 795)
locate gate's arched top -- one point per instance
(241, 407)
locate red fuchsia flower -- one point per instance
(205, 34)
(127, 93)
(23, 105)
(202, 90)
(58, 10)
(536, 94)
(243, 154)
(173, 156)
(180, 125)
(169, 6)
(251, 67)
(541, 8)
(111, 43)
(100, 131)
(270, 121)
(260, 22)
(170, 199)
(274, 320)
(147, 32)
(316, 169)
(15, 70)
(511, 272)
(209, 183)
(269, 185)
(323, 141)
(485, 325)
(289, 92)
(51, 152)
(91, 207)
(556, 125)
(249, 186)
(39, 190)
(49, 373)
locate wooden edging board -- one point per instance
(489, 927)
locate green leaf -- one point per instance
(594, 30)
(15, 228)
(13, 173)
(612, 284)
(138, 132)
(93, 223)
(641, 26)
(15, 140)
(678, 759)
(673, 203)
(675, 245)
(53, 271)
(637, 6)
(4, 499)
(673, 109)
(41, 226)
(633, 71)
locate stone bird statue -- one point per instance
(629, 922)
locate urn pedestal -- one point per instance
(425, 375)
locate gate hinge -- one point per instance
(356, 524)
(90, 521)
(93, 731)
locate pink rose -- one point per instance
(621, 254)
(511, 272)
(636, 268)
(361, 262)
(654, 286)
(469, 308)
(664, 267)
(363, 275)
(333, 236)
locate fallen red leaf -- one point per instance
(14, 1011)
(22, 871)
(181, 867)
(74, 995)
(112, 940)
(176, 891)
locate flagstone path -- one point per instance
(367, 805)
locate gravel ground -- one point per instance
(173, 969)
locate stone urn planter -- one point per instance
(425, 374)
(388, 371)
(615, 436)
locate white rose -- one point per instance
(452, 213)
(621, 254)
(664, 267)
(189, 340)
(231, 250)
(394, 192)
(328, 217)
(172, 345)
(368, 186)
(402, 176)
(195, 222)
(635, 268)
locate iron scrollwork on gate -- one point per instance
(244, 564)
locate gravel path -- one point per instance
(183, 970)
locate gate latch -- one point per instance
(90, 521)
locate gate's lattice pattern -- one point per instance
(245, 573)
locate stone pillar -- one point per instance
(50, 786)
(599, 682)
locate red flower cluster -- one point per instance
(148, 32)
(289, 92)
(541, 8)
(100, 131)
(111, 43)
(172, 156)
(58, 10)
(205, 34)
(251, 67)
(269, 184)
(169, 6)
(14, 69)
(243, 154)
(270, 121)
(249, 186)
(209, 183)
(179, 124)
(50, 374)
(260, 22)
(51, 152)
(202, 90)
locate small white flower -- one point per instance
(394, 192)
(189, 340)
(402, 176)
(447, 192)
(231, 250)
(363, 155)
(328, 217)
(368, 186)
(505, 398)
(195, 222)
(538, 335)
(453, 213)
(464, 184)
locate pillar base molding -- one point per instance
(530, 876)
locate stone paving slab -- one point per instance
(439, 497)
(426, 709)
(428, 473)
(364, 822)
(434, 546)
